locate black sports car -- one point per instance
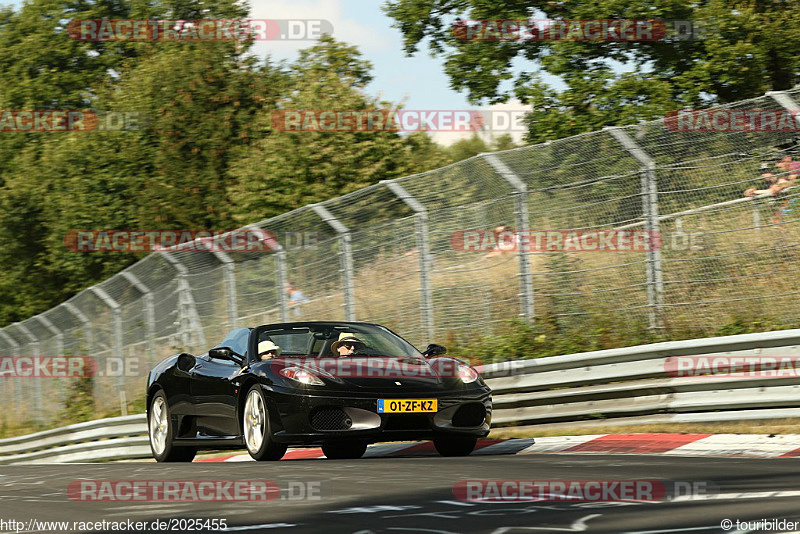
(341, 385)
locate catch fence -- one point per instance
(390, 253)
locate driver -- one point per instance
(268, 350)
(346, 345)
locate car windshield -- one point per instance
(236, 340)
(316, 340)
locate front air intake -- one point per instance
(473, 414)
(330, 419)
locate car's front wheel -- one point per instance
(344, 450)
(159, 427)
(257, 434)
(455, 446)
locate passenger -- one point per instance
(268, 350)
(346, 345)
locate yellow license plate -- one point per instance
(406, 405)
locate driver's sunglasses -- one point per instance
(268, 353)
(350, 345)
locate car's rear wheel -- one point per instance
(455, 446)
(257, 434)
(344, 450)
(159, 426)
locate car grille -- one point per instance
(472, 414)
(407, 422)
(330, 419)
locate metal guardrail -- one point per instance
(633, 382)
(618, 386)
(116, 438)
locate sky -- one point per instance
(418, 81)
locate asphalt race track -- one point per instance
(395, 495)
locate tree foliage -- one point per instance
(745, 49)
(203, 155)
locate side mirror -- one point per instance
(225, 353)
(185, 362)
(434, 350)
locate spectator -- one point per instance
(296, 299)
(787, 165)
(505, 239)
(775, 185)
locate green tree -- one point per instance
(466, 148)
(285, 170)
(748, 48)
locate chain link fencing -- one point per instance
(387, 254)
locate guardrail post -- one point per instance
(149, 311)
(116, 334)
(87, 325)
(37, 382)
(189, 319)
(16, 394)
(345, 256)
(655, 283)
(523, 225)
(423, 246)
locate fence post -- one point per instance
(87, 325)
(229, 274)
(189, 319)
(58, 334)
(37, 382)
(783, 98)
(281, 275)
(148, 310)
(345, 255)
(280, 259)
(15, 393)
(423, 246)
(523, 225)
(649, 187)
(59, 337)
(116, 334)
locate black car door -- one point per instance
(214, 396)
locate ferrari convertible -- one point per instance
(338, 385)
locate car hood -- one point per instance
(371, 372)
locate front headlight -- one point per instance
(301, 375)
(467, 374)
